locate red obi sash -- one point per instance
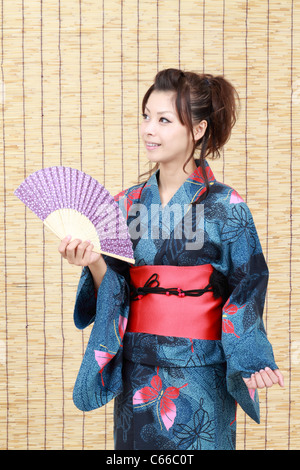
(192, 313)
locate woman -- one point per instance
(178, 339)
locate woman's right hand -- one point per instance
(78, 252)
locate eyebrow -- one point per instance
(160, 112)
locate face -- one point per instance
(164, 137)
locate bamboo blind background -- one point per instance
(73, 74)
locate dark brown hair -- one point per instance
(200, 97)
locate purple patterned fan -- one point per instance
(69, 201)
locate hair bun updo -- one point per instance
(201, 97)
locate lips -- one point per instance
(152, 145)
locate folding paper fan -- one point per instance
(69, 201)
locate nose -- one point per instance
(149, 127)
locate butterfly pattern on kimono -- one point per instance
(162, 399)
(171, 391)
(227, 325)
(103, 357)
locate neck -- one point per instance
(171, 177)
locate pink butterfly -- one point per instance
(122, 326)
(252, 393)
(235, 198)
(153, 394)
(103, 357)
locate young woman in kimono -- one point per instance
(178, 338)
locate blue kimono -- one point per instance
(173, 392)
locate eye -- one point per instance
(144, 116)
(164, 120)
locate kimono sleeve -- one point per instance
(99, 379)
(244, 339)
(85, 303)
(86, 296)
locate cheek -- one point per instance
(180, 139)
(142, 128)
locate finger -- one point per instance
(253, 381)
(272, 375)
(259, 380)
(276, 376)
(71, 250)
(81, 248)
(63, 244)
(280, 377)
(87, 254)
(250, 382)
(267, 379)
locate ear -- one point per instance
(199, 130)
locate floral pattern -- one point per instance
(170, 392)
(239, 224)
(200, 431)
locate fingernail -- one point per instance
(69, 237)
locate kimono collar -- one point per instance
(190, 190)
(198, 174)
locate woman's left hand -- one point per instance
(265, 378)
